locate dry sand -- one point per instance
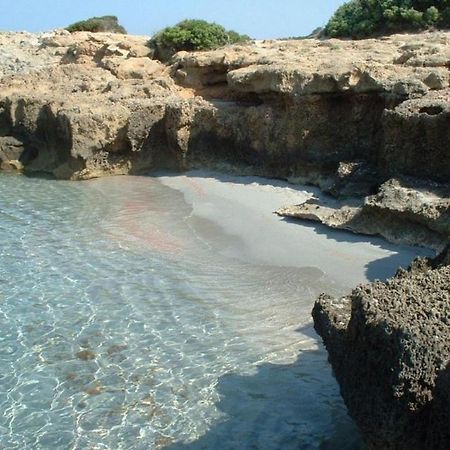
(243, 207)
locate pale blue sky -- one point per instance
(257, 18)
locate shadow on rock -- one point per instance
(438, 435)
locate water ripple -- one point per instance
(120, 324)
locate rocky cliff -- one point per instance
(367, 121)
(345, 115)
(291, 109)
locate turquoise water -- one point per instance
(125, 323)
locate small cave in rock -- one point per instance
(29, 154)
(431, 110)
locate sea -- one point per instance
(170, 311)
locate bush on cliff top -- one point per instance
(98, 24)
(193, 35)
(361, 18)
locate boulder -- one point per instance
(11, 150)
(134, 68)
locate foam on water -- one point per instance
(129, 320)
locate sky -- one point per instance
(260, 19)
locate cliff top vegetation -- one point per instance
(362, 18)
(98, 24)
(193, 34)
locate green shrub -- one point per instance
(192, 35)
(98, 24)
(361, 18)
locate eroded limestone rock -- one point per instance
(289, 109)
(389, 348)
(405, 211)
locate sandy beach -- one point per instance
(243, 207)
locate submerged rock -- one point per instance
(94, 389)
(86, 355)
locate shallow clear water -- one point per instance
(128, 322)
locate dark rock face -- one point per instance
(283, 138)
(417, 139)
(389, 348)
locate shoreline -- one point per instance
(212, 196)
(203, 295)
(365, 120)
